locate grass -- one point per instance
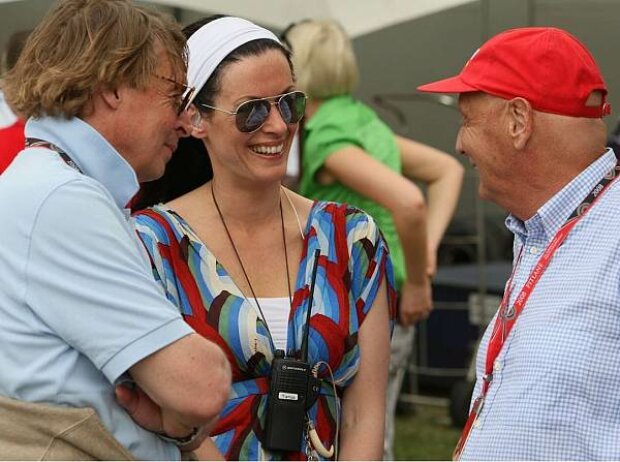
(427, 434)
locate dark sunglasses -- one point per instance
(182, 98)
(252, 114)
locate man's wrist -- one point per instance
(183, 440)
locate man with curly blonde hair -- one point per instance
(102, 85)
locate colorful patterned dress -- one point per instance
(353, 262)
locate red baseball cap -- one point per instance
(547, 66)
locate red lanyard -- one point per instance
(508, 315)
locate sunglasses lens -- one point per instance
(252, 114)
(292, 107)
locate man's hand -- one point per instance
(140, 407)
(415, 303)
(146, 413)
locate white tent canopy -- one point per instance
(358, 17)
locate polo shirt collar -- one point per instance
(92, 153)
(554, 213)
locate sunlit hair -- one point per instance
(83, 45)
(323, 58)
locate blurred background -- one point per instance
(401, 44)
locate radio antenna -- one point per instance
(304, 342)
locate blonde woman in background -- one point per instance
(349, 155)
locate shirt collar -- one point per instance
(554, 213)
(92, 153)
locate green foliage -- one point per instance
(426, 435)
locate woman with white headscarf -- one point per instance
(247, 260)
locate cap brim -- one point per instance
(449, 85)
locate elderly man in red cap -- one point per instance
(548, 367)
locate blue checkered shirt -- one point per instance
(556, 387)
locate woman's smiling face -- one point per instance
(260, 155)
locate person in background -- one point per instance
(11, 125)
(102, 85)
(548, 366)
(237, 253)
(350, 155)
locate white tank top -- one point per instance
(276, 311)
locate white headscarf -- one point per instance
(210, 44)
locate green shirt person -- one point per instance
(350, 155)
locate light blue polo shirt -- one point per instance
(78, 304)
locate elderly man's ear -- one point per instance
(520, 116)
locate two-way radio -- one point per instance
(293, 390)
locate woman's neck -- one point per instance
(247, 207)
